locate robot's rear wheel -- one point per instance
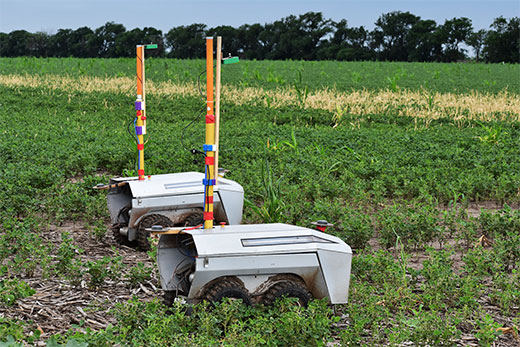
(287, 288)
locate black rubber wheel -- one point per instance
(169, 297)
(226, 288)
(147, 222)
(194, 219)
(288, 288)
(121, 239)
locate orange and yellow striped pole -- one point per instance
(209, 146)
(140, 117)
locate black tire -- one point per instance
(226, 288)
(194, 219)
(121, 239)
(287, 288)
(169, 297)
(147, 222)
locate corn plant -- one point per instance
(273, 207)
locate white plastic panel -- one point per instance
(336, 270)
(176, 184)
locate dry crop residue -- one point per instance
(418, 103)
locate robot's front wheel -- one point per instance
(227, 288)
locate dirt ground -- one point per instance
(57, 305)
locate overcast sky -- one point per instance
(51, 15)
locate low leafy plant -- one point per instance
(12, 289)
(356, 228)
(12, 328)
(138, 274)
(416, 226)
(487, 330)
(102, 269)
(229, 323)
(68, 265)
(503, 227)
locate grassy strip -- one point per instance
(420, 104)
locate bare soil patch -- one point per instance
(57, 304)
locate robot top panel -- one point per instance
(251, 239)
(174, 184)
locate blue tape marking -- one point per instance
(138, 106)
(139, 130)
(208, 148)
(208, 182)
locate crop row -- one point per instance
(343, 76)
(422, 105)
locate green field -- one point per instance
(411, 195)
(442, 77)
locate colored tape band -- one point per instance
(138, 105)
(140, 146)
(210, 161)
(208, 182)
(139, 113)
(208, 215)
(140, 172)
(209, 199)
(208, 148)
(210, 119)
(139, 130)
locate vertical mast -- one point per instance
(209, 146)
(140, 117)
(217, 103)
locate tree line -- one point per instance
(397, 36)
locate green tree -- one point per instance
(60, 43)
(423, 43)
(391, 35)
(105, 39)
(18, 42)
(38, 44)
(296, 37)
(231, 43)
(502, 42)
(186, 41)
(346, 43)
(126, 42)
(4, 42)
(82, 43)
(453, 33)
(476, 41)
(248, 36)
